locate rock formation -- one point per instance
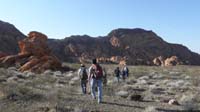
(172, 61)
(159, 61)
(139, 46)
(115, 41)
(34, 55)
(113, 59)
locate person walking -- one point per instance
(117, 74)
(83, 75)
(123, 73)
(95, 78)
(126, 71)
(104, 77)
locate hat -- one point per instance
(94, 61)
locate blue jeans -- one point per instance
(83, 86)
(98, 83)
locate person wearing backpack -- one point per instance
(117, 74)
(82, 73)
(104, 77)
(95, 78)
(126, 71)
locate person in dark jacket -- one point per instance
(117, 73)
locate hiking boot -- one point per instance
(99, 102)
(94, 98)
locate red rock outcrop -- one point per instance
(113, 59)
(115, 41)
(138, 45)
(34, 55)
(172, 61)
(159, 61)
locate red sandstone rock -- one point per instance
(159, 61)
(172, 61)
(34, 55)
(115, 41)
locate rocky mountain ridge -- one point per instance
(132, 46)
(9, 37)
(135, 46)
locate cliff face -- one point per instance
(135, 46)
(9, 37)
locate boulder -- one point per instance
(34, 55)
(173, 102)
(159, 61)
(172, 61)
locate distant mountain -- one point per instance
(9, 37)
(137, 46)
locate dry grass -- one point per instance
(53, 93)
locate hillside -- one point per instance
(9, 37)
(137, 46)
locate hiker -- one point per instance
(126, 71)
(82, 73)
(95, 78)
(117, 73)
(104, 77)
(123, 74)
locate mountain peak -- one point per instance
(121, 31)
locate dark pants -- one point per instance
(84, 86)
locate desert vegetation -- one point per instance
(147, 89)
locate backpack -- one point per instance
(83, 74)
(126, 69)
(97, 72)
(117, 72)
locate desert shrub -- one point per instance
(21, 92)
(190, 102)
(72, 65)
(196, 82)
(131, 80)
